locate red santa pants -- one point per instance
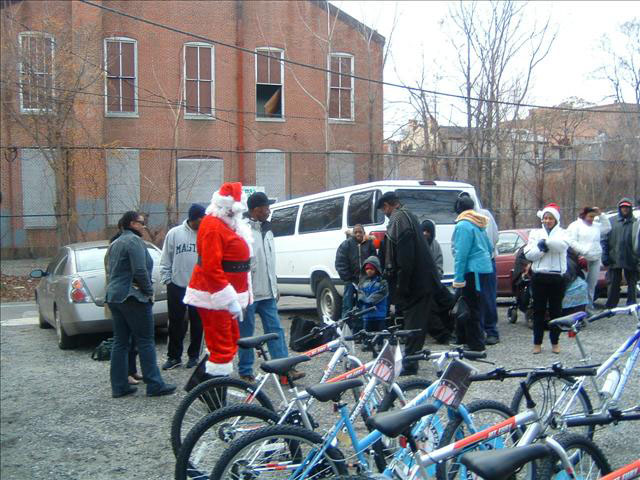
(220, 334)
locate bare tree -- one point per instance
(46, 71)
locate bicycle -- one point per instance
(216, 393)
(560, 393)
(213, 432)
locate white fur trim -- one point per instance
(244, 299)
(552, 211)
(219, 300)
(230, 212)
(219, 369)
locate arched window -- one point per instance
(341, 169)
(271, 172)
(198, 178)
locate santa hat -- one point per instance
(551, 208)
(229, 197)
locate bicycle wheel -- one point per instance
(484, 413)
(586, 458)
(206, 441)
(207, 397)
(545, 392)
(278, 452)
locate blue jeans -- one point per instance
(133, 318)
(488, 305)
(268, 311)
(348, 298)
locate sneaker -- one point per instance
(166, 389)
(171, 363)
(248, 378)
(193, 361)
(492, 340)
(296, 374)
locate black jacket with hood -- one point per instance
(350, 258)
(617, 246)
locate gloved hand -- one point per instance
(236, 310)
(542, 246)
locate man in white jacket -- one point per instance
(179, 256)
(584, 236)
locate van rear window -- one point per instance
(322, 215)
(437, 205)
(283, 221)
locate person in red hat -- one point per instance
(547, 250)
(619, 255)
(220, 283)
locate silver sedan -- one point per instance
(70, 294)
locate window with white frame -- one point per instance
(198, 79)
(121, 65)
(341, 86)
(123, 182)
(36, 71)
(271, 172)
(341, 170)
(269, 83)
(198, 178)
(38, 188)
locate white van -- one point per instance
(308, 231)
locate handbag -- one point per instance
(460, 311)
(103, 351)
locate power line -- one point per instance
(351, 75)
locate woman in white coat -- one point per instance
(547, 250)
(584, 237)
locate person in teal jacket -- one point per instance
(472, 270)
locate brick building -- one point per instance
(104, 113)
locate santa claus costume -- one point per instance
(220, 283)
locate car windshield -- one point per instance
(93, 258)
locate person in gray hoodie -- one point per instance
(264, 286)
(179, 256)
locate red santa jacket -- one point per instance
(219, 248)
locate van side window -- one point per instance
(283, 221)
(362, 208)
(437, 205)
(322, 215)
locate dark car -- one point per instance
(509, 242)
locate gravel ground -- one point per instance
(58, 419)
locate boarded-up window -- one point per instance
(269, 83)
(198, 77)
(36, 71)
(123, 182)
(120, 56)
(270, 173)
(38, 189)
(341, 170)
(341, 87)
(198, 178)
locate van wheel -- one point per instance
(328, 301)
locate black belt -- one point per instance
(235, 267)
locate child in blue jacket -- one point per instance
(373, 290)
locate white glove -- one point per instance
(235, 310)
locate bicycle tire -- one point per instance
(292, 436)
(203, 396)
(551, 467)
(518, 404)
(212, 425)
(443, 469)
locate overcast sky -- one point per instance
(568, 70)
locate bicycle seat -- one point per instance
(332, 391)
(281, 366)
(568, 321)
(500, 464)
(253, 342)
(394, 423)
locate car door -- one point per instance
(508, 244)
(45, 289)
(60, 283)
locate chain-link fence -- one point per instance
(52, 197)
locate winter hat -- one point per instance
(257, 199)
(387, 197)
(369, 266)
(464, 203)
(229, 197)
(625, 202)
(196, 211)
(551, 208)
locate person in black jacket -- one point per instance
(412, 274)
(350, 259)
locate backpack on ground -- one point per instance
(301, 327)
(103, 351)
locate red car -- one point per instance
(509, 241)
